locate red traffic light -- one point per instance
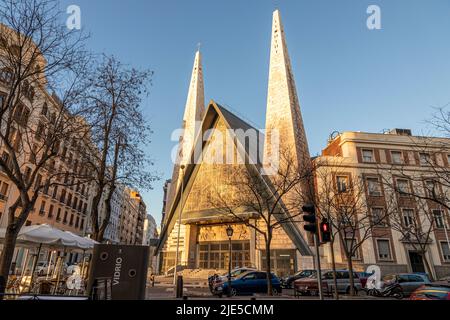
(325, 231)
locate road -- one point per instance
(195, 289)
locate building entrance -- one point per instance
(416, 260)
(215, 255)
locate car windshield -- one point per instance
(389, 278)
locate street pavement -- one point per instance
(195, 289)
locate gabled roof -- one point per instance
(213, 113)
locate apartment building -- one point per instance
(396, 170)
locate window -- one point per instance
(69, 199)
(44, 109)
(345, 214)
(6, 160)
(430, 188)
(396, 157)
(425, 159)
(50, 211)
(65, 217)
(378, 217)
(40, 131)
(55, 192)
(342, 183)
(3, 190)
(373, 186)
(63, 196)
(408, 218)
(438, 218)
(42, 209)
(367, 155)
(384, 249)
(445, 251)
(58, 215)
(403, 187)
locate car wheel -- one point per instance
(314, 293)
(398, 294)
(233, 292)
(274, 292)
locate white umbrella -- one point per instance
(48, 235)
(82, 242)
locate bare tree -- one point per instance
(119, 132)
(264, 203)
(37, 55)
(424, 191)
(341, 199)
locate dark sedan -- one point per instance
(409, 282)
(288, 282)
(248, 283)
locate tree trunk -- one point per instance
(268, 268)
(105, 222)
(7, 256)
(350, 274)
(427, 265)
(94, 213)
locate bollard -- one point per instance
(179, 287)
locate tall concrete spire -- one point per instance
(194, 110)
(193, 115)
(283, 114)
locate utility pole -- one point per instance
(179, 230)
(313, 227)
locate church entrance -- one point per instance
(215, 255)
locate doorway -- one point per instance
(416, 261)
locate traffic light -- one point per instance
(325, 231)
(310, 217)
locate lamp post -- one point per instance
(179, 228)
(229, 234)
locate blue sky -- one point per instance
(348, 77)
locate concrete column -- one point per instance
(190, 246)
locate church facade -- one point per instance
(191, 220)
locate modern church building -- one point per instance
(203, 241)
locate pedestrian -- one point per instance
(152, 279)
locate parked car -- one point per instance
(216, 279)
(432, 292)
(288, 281)
(309, 286)
(409, 282)
(248, 283)
(363, 276)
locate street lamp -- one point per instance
(179, 227)
(229, 234)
